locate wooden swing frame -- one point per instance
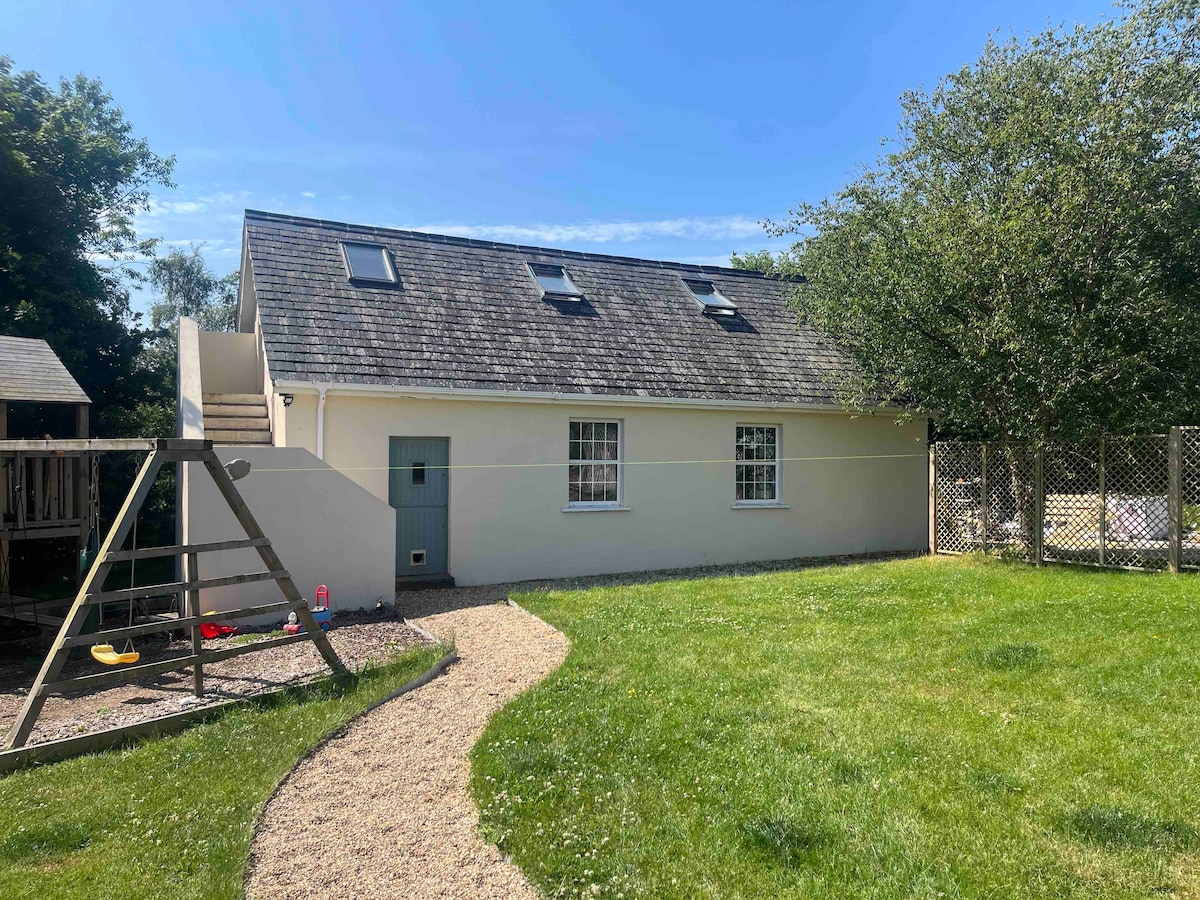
(91, 593)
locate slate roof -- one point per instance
(468, 314)
(30, 370)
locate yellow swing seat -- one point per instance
(105, 653)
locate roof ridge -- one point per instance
(455, 240)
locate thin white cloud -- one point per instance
(207, 245)
(174, 207)
(204, 203)
(692, 228)
(308, 194)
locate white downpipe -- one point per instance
(321, 423)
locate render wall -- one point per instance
(508, 523)
(230, 363)
(325, 528)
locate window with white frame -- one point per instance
(756, 468)
(593, 473)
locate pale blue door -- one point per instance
(419, 488)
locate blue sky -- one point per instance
(664, 130)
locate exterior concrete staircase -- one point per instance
(237, 419)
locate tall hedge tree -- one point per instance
(1026, 258)
(184, 285)
(72, 178)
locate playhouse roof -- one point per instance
(30, 371)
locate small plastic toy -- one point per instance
(322, 613)
(106, 654)
(216, 629)
(293, 626)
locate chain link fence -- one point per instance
(1126, 502)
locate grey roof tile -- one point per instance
(30, 370)
(468, 315)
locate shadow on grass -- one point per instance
(1114, 828)
(789, 840)
(30, 844)
(1014, 656)
(330, 687)
(846, 771)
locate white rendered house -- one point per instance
(419, 407)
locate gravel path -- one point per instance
(384, 810)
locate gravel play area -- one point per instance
(383, 810)
(358, 638)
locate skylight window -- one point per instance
(368, 262)
(710, 298)
(555, 283)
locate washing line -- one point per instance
(598, 462)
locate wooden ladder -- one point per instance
(91, 593)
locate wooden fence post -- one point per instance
(932, 499)
(1039, 507)
(1174, 498)
(191, 567)
(19, 490)
(983, 499)
(1102, 542)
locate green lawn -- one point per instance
(917, 728)
(170, 817)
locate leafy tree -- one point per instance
(762, 261)
(72, 178)
(1026, 258)
(188, 288)
(185, 286)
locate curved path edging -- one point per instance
(382, 807)
(337, 731)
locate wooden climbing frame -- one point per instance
(91, 592)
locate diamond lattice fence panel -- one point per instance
(1190, 482)
(1011, 507)
(1135, 502)
(1071, 474)
(958, 514)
